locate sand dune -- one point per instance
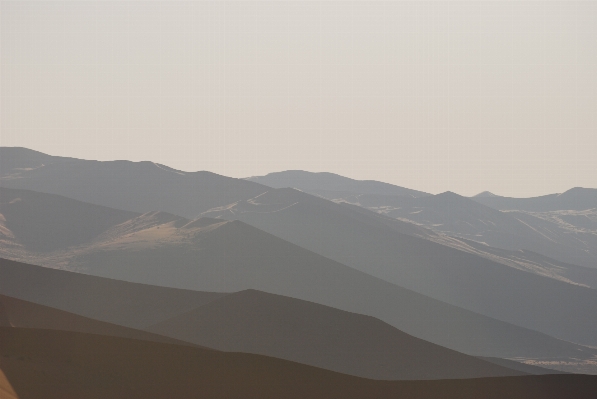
(212, 255)
(6, 390)
(85, 366)
(45, 222)
(18, 313)
(221, 256)
(277, 326)
(273, 325)
(336, 231)
(140, 306)
(118, 302)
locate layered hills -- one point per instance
(69, 364)
(132, 186)
(567, 235)
(172, 251)
(256, 322)
(24, 314)
(365, 242)
(217, 255)
(560, 226)
(576, 199)
(112, 301)
(281, 327)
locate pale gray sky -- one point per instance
(461, 96)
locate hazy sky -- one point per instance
(461, 96)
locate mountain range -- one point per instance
(227, 256)
(309, 283)
(560, 226)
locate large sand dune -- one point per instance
(255, 322)
(18, 313)
(221, 256)
(118, 302)
(84, 366)
(562, 309)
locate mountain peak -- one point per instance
(579, 191)
(485, 194)
(448, 194)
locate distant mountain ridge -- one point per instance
(131, 186)
(14, 160)
(577, 198)
(560, 226)
(568, 236)
(325, 183)
(484, 194)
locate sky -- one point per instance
(459, 96)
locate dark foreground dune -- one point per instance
(18, 313)
(305, 332)
(55, 364)
(113, 301)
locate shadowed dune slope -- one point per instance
(466, 280)
(85, 366)
(46, 222)
(118, 302)
(212, 255)
(18, 313)
(286, 328)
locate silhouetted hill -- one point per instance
(549, 305)
(118, 302)
(216, 255)
(330, 185)
(132, 186)
(577, 198)
(256, 322)
(213, 255)
(484, 194)
(14, 160)
(568, 236)
(86, 366)
(18, 313)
